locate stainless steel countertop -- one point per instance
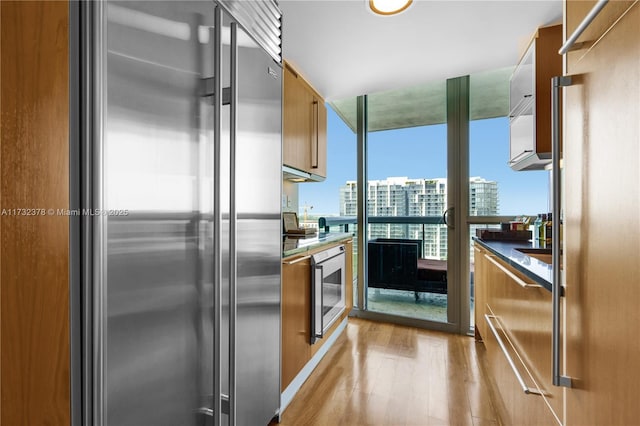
(537, 270)
(298, 245)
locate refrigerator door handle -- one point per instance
(556, 290)
(216, 34)
(233, 231)
(207, 89)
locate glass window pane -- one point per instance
(406, 197)
(494, 188)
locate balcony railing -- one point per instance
(423, 228)
(344, 221)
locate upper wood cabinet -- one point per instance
(304, 126)
(530, 100)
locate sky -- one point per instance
(420, 152)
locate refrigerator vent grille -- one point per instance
(261, 18)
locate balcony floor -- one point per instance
(429, 306)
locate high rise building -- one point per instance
(401, 196)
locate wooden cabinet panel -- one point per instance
(523, 319)
(602, 180)
(297, 104)
(530, 100)
(304, 125)
(526, 316)
(515, 407)
(296, 314)
(34, 170)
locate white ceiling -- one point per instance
(344, 50)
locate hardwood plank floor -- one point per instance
(387, 374)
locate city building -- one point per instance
(402, 196)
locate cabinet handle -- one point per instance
(526, 389)
(583, 26)
(556, 286)
(445, 217)
(511, 275)
(477, 249)
(316, 125)
(299, 259)
(522, 103)
(522, 154)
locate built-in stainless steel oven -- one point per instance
(328, 289)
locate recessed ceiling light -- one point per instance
(389, 7)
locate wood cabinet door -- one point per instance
(548, 65)
(525, 313)
(513, 405)
(296, 319)
(34, 244)
(522, 318)
(297, 121)
(602, 216)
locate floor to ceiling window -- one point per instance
(406, 198)
(417, 166)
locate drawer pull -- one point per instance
(513, 276)
(526, 389)
(300, 259)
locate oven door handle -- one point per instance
(316, 304)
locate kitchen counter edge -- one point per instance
(538, 271)
(311, 244)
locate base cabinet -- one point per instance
(297, 349)
(515, 407)
(521, 319)
(296, 310)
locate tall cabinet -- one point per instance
(35, 386)
(602, 216)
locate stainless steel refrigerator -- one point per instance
(182, 249)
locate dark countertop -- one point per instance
(537, 270)
(298, 245)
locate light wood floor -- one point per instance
(385, 374)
